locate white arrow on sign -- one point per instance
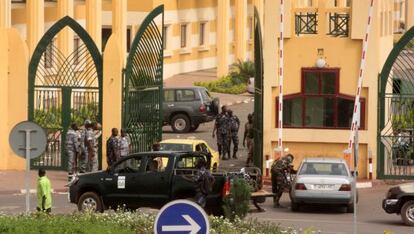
(193, 228)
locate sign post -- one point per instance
(181, 216)
(28, 140)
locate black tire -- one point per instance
(407, 216)
(350, 208)
(194, 127)
(90, 201)
(180, 123)
(294, 206)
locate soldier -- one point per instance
(87, 140)
(248, 135)
(72, 148)
(280, 182)
(112, 150)
(234, 133)
(94, 164)
(222, 127)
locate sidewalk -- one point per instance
(188, 79)
(13, 182)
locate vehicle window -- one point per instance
(187, 162)
(185, 95)
(199, 148)
(157, 164)
(131, 165)
(169, 95)
(205, 95)
(324, 169)
(176, 147)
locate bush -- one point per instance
(117, 222)
(236, 205)
(233, 83)
(224, 85)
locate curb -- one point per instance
(361, 185)
(238, 102)
(31, 191)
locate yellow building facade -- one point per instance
(192, 30)
(318, 100)
(316, 117)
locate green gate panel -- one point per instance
(63, 89)
(258, 93)
(396, 112)
(143, 84)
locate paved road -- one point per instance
(371, 217)
(205, 130)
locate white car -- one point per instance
(250, 85)
(323, 181)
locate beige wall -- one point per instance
(343, 53)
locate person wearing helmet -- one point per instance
(280, 182)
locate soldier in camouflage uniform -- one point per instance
(279, 180)
(222, 127)
(234, 133)
(72, 148)
(249, 137)
(94, 164)
(87, 141)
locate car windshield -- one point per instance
(316, 168)
(176, 147)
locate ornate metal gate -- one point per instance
(258, 93)
(396, 112)
(143, 84)
(64, 89)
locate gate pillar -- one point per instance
(112, 91)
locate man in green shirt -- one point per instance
(44, 193)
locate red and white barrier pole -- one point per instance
(370, 168)
(267, 166)
(356, 114)
(281, 55)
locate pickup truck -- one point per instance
(149, 179)
(400, 200)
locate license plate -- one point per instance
(324, 186)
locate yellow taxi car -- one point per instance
(191, 145)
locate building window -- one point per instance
(320, 105)
(165, 30)
(202, 35)
(76, 50)
(183, 35)
(48, 62)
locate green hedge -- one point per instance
(116, 222)
(235, 82)
(224, 85)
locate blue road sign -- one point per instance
(181, 217)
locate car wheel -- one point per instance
(90, 201)
(407, 213)
(180, 123)
(194, 127)
(294, 206)
(350, 208)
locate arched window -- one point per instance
(319, 104)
